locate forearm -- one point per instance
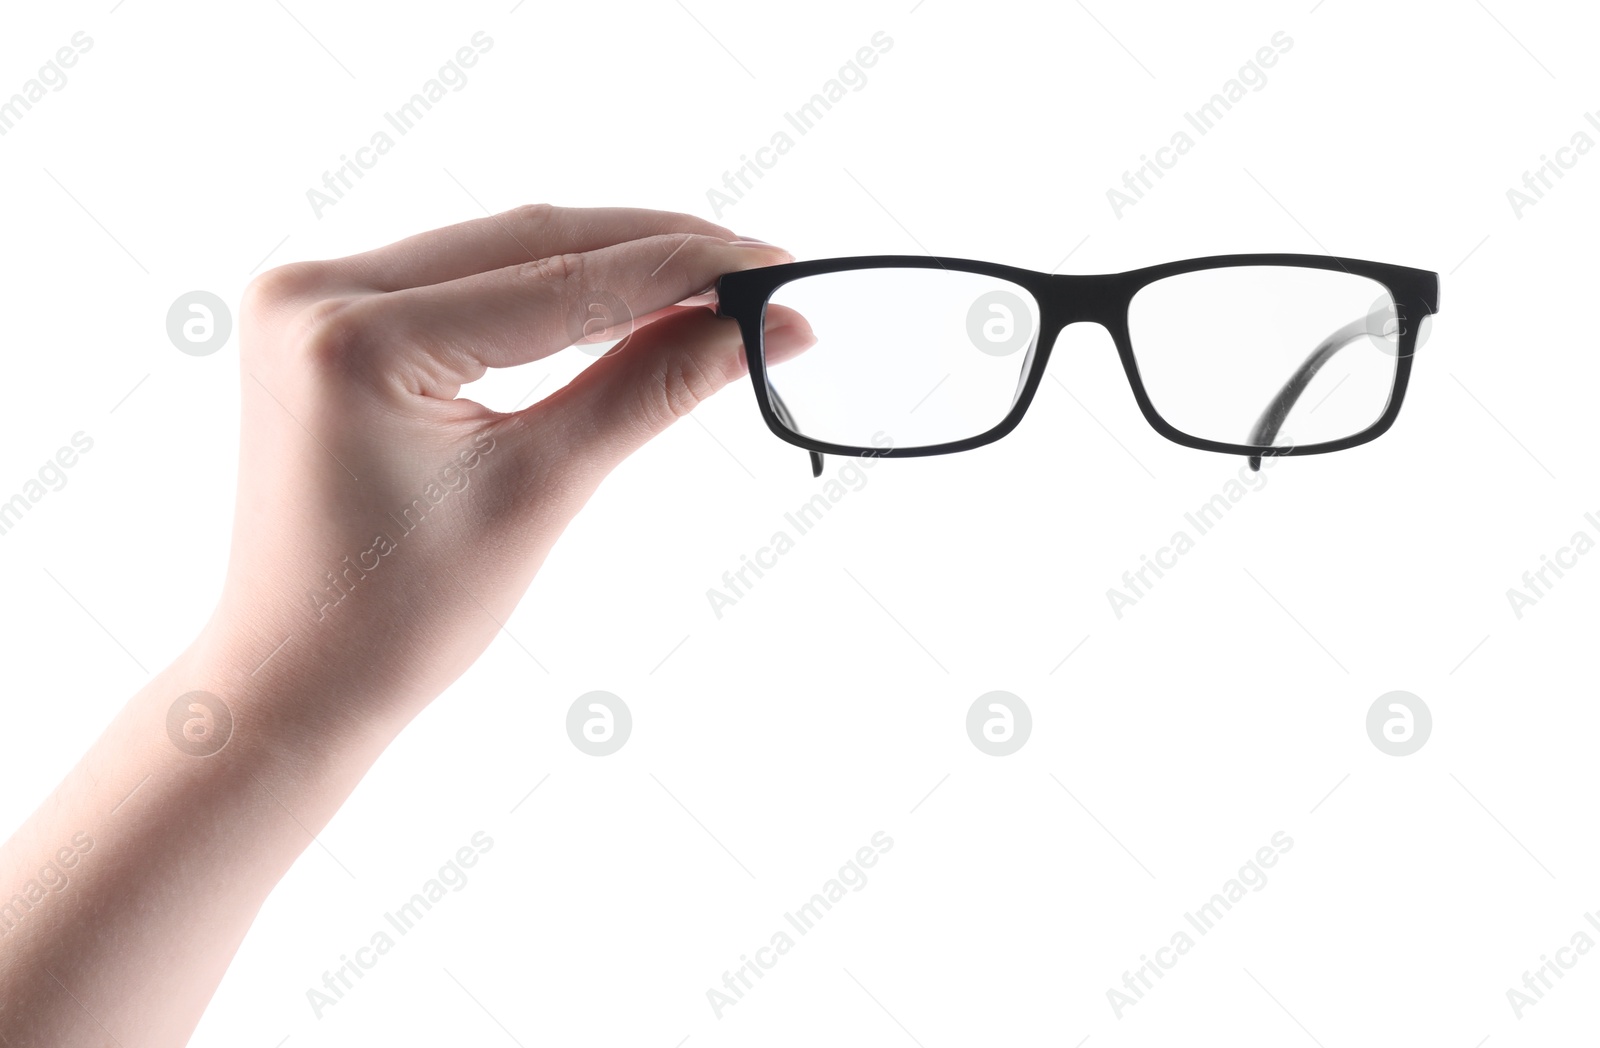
(125, 896)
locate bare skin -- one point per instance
(162, 854)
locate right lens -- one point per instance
(1219, 350)
(917, 357)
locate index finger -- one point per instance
(523, 234)
(519, 313)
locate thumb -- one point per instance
(657, 375)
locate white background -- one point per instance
(830, 703)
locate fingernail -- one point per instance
(747, 240)
(753, 254)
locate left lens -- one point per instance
(915, 357)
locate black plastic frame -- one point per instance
(1065, 299)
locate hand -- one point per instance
(386, 528)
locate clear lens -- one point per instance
(1266, 355)
(904, 357)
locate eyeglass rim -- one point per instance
(1065, 299)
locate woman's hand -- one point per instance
(384, 530)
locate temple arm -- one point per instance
(1271, 420)
(781, 409)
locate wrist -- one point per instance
(233, 699)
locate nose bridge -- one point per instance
(1078, 299)
(1065, 299)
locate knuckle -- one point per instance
(535, 218)
(331, 333)
(686, 382)
(562, 268)
(683, 255)
(284, 284)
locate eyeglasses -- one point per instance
(1252, 355)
